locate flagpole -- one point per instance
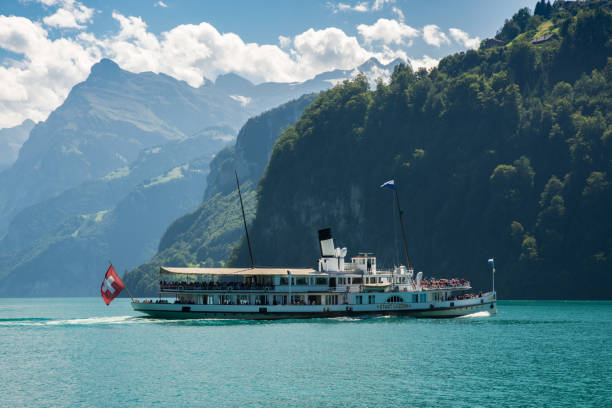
(492, 263)
(129, 293)
(126, 288)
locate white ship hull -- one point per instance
(444, 309)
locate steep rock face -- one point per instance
(207, 235)
(11, 140)
(501, 152)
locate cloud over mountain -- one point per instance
(433, 36)
(41, 81)
(70, 14)
(461, 37)
(49, 60)
(387, 31)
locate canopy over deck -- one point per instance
(241, 271)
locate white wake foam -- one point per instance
(70, 322)
(93, 321)
(477, 314)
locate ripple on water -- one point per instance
(67, 352)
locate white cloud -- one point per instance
(362, 7)
(387, 31)
(379, 4)
(284, 42)
(63, 19)
(433, 36)
(38, 83)
(69, 15)
(320, 50)
(49, 66)
(161, 4)
(425, 62)
(49, 2)
(399, 13)
(461, 37)
(359, 7)
(192, 52)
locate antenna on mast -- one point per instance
(246, 231)
(391, 186)
(402, 225)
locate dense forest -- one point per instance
(502, 152)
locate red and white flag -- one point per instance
(111, 285)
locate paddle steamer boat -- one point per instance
(335, 288)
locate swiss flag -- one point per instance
(111, 285)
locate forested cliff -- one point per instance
(502, 152)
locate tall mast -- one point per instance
(246, 231)
(402, 225)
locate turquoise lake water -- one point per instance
(79, 352)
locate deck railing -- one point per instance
(199, 287)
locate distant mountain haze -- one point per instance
(120, 217)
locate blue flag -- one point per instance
(389, 184)
(490, 261)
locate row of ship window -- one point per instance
(302, 281)
(416, 298)
(296, 299)
(355, 280)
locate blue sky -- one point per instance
(47, 46)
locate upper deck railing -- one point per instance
(446, 284)
(453, 284)
(212, 286)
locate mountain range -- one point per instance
(107, 172)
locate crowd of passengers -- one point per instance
(158, 301)
(466, 296)
(210, 286)
(246, 302)
(444, 283)
(426, 283)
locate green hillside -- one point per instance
(503, 152)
